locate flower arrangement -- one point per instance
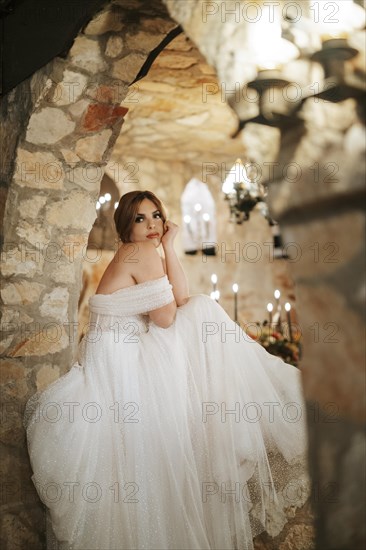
(276, 343)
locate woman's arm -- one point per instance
(148, 267)
(174, 269)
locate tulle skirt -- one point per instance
(187, 438)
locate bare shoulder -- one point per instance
(146, 262)
(129, 253)
(132, 263)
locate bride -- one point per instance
(174, 429)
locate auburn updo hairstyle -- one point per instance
(127, 209)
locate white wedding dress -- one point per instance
(186, 438)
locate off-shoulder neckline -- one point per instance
(145, 283)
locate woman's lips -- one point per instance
(153, 236)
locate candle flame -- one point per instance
(235, 288)
(269, 307)
(287, 306)
(277, 294)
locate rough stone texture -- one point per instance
(30, 208)
(70, 157)
(114, 46)
(35, 234)
(23, 292)
(49, 126)
(73, 211)
(86, 54)
(104, 22)
(127, 68)
(169, 101)
(20, 261)
(101, 116)
(70, 88)
(15, 111)
(49, 340)
(54, 304)
(78, 108)
(46, 375)
(143, 41)
(325, 220)
(93, 148)
(38, 170)
(171, 61)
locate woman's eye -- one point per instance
(139, 219)
(158, 215)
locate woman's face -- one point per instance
(148, 225)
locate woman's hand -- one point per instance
(170, 232)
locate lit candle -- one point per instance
(288, 309)
(277, 295)
(187, 220)
(235, 290)
(270, 309)
(214, 281)
(206, 219)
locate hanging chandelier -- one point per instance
(244, 194)
(287, 46)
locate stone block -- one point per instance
(21, 261)
(55, 304)
(70, 157)
(114, 46)
(50, 339)
(22, 292)
(65, 273)
(174, 61)
(38, 170)
(74, 246)
(78, 108)
(30, 208)
(49, 126)
(77, 210)
(46, 375)
(93, 148)
(103, 22)
(70, 88)
(99, 116)
(143, 41)
(34, 233)
(12, 318)
(127, 68)
(85, 53)
(157, 25)
(113, 94)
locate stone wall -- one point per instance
(325, 216)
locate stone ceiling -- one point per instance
(177, 112)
